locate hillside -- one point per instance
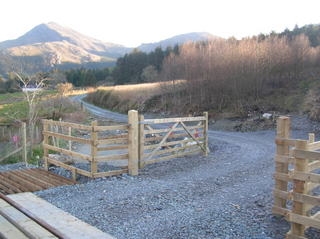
(178, 40)
(51, 45)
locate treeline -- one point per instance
(236, 74)
(140, 67)
(88, 77)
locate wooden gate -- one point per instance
(164, 139)
(128, 147)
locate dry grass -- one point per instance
(139, 92)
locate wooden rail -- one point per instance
(137, 143)
(299, 185)
(164, 139)
(59, 137)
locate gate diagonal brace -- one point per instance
(163, 140)
(194, 138)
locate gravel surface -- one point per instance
(225, 195)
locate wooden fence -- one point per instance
(297, 180)
(124, 147)
(17, 140)
(164, 139)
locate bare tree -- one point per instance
(32, 87)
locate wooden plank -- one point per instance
(171, 137)
(280, 211)
(205, 134)
(7, 230)
(23, 223)
(157, 160)
(113, 147)
(284, 159)
(8, 183)
(165, 130)
(282, 177)
(94, 144)
(118, 140)
(162, 141)
(110, 127)
(167, 144)
(172, 150)
(67, 124)
(299, 187)
(205, 150)
(313, 165)
(307, 177)
(54, 178)
(110, 173)
(141, 141)
(11, 153)
(304, 220)
(6, 189)
(112, 157)
(304, 154)
(68, 152)
(281, 169)
(133, 144)
(29, 186)
(306, 199)
(63, 222)
(282, 194)
(172, 120)
(285, 141)
(35, 179)
(69, 167)
(314, 146)
(67, 137)
(289, 235)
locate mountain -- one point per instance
(51, 44)
(179, 39)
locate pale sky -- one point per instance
(132, 22)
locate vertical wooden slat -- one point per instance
(45, 142)
(24, 142)
(94, 149)
(301, 165)
(70, 142)
(283, 131)
(133, 120)
(205, 133)
(141, 141)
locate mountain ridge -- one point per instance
(50, 44)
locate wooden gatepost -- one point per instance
(297, 181)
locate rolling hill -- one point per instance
(52, 45)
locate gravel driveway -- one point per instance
(225, 195)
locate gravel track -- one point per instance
(223, 196)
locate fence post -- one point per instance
(205, 133)
(141, 141)
(24, 143)
(45, 143)
(283, 132)
(299, 187)
(133, 121)
(94, 150)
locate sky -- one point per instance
(133, 22)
